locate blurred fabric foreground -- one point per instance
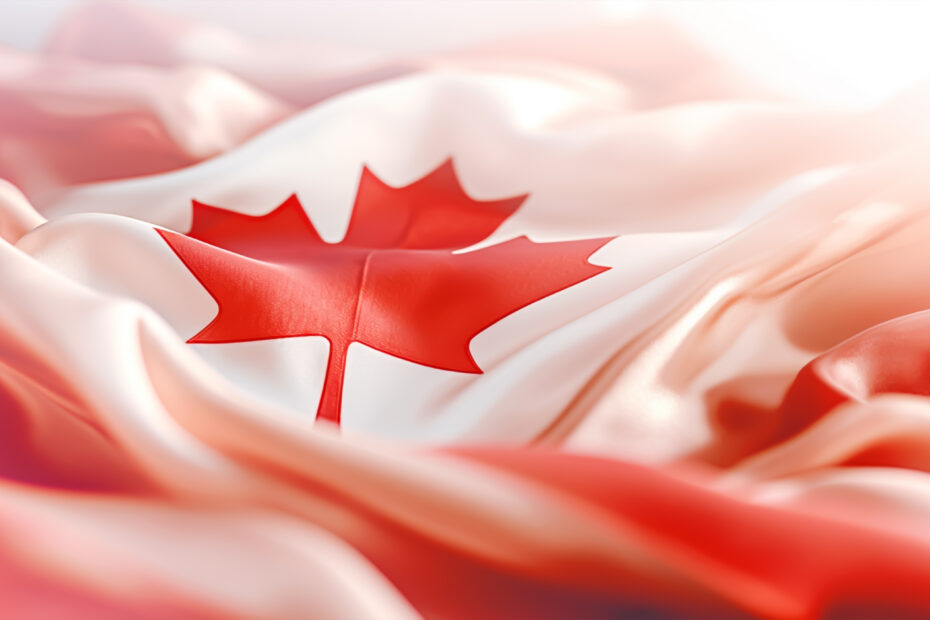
(651, 341)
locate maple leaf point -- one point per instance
(393, 283)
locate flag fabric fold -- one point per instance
(504, 332)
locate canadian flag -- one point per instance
(405, 285)
(584, 325)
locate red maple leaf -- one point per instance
(393, 283)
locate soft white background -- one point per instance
(842, 52)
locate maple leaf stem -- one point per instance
(330, 406)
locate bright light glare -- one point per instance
(844, 53)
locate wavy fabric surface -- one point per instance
(620, 333)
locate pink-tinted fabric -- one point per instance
(727, 419)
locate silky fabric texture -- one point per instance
(729, 420)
